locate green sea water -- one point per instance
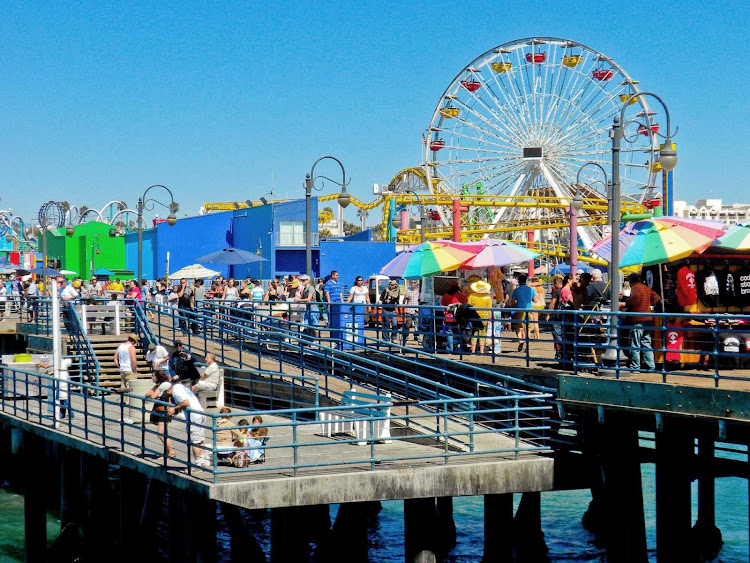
(11, 527)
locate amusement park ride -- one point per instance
(511, 138)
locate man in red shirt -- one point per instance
(641, 299)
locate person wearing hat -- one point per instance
(389, 298)
(69, 291)
(157, 356)
(182, 363)
(127, 364)
(481, 300)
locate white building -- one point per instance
(713, 209)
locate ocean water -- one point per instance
(561, 522)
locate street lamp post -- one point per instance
(575, 206)
(667, 159)
(173, 207)
(578, 187)
(343, 201)
(396, 222)
(259, 252)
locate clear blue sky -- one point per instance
(214, 99)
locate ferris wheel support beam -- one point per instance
(526, 178)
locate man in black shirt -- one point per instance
(597, 290)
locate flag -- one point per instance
(424, 140)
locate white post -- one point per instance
(117, 318)
(83, 319)
(56, 341)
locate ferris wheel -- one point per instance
(522, 118)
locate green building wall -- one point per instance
(75, 252)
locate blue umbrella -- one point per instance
(51, 272)
(231, 256)
(565, 269)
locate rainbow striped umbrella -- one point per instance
(666, 239)
(736, 238)
(424, 260)
(709, 228)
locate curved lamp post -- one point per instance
(579, 203)
(396, 221)
(148, 203)
(343, 201)
(667, 159)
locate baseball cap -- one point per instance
(152, 347)
(178, 343)
(304, 277)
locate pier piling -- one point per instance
(34, 501)
(498, 525)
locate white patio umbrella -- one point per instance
(194, 271)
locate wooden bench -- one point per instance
(359, 405)
(212, 399)
(111, 318)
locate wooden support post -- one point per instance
(674, 447)
(178, 518)
(624, 526)
(419, 534)
(707, 537)
(34, 505)
(150, 515)
(100, 510)
(530, 544)
(16, 450)
(71, 488)
(446, 527)
(243, 545)
(498, 528)
(201, 543)
(132, 498)
(287, 544)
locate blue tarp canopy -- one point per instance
(565, 268)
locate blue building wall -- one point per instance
(354, 258)
(192, 237)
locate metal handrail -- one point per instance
(83, 344)
(97, 414)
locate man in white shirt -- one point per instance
(69, 292)
(158, 357)
(183, 399)
(209, 381)
(127, 363)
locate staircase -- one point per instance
(104, 347)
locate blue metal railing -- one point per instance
(90, 363)
(582, 337)
(295, 437)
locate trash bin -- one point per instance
(139, 387)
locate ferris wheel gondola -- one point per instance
(522, 118)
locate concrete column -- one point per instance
(530, 544)
(419, 530)
(243, 545)
(446, 527)
(287, 543)
(498, 528)
(674, 448)
(34, 499)
(707, 537)
(71, 491)
(348, 539)
(624, 527)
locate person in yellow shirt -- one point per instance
(116, 286)
(481, 301)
